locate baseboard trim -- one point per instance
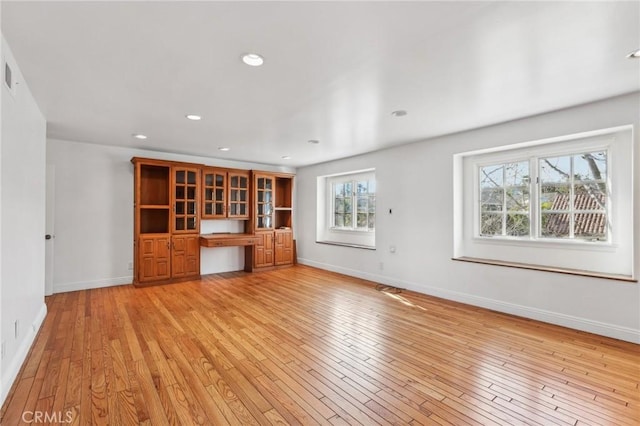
(21, 354)
(577, 323)
(87, 285)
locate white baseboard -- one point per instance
(86, 285)
(583, 324)
(15, 364)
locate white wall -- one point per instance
(421, 228)
(93, 215)
(22, 207)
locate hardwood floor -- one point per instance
(304, 346)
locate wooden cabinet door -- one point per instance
(214, 193)
(154, 258)
(263, 250)
(268, 248)
(185, 256)
(283, 248)
(263, 192)
(238, 198)
(185, 196)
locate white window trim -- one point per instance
(614, 256)
(325, 232)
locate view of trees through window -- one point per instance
(504, 199)
(571, 199)
(354, 205)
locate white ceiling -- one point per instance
(334, 71)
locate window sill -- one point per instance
(351, 231)
(568, 271)
(603, 246)
(358, 246)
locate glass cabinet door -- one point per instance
(185, 184)
(238, 195)
(264, 202)
(214, 201)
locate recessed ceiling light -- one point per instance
(399, 113)
(314, 141)
(223, 148)
(252, 59)
(193, 117)
(635, 54)
(286, 157)
(139, 136)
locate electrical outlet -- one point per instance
(131, 266)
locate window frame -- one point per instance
(353, 179)
(534, 156)
(504, 212)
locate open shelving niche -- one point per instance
(154, 199)
(283, 203)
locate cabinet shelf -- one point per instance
(166, 221)
(154, 220)
(282, 218)
(272, 221)
(155, 206)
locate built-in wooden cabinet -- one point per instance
(275, 248)
(272, 219)
(166, 221)
(171, 198)
(225, 193)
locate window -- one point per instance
(354, 204)
(347, 209)
(564, 203)
(566, 194)
(504, 200)
(573, 196)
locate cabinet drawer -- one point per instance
(239, 242)
(229, 241)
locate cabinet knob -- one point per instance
(48, 237)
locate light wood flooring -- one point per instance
(305, 346)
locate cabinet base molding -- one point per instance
(169, 281)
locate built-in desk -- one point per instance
(228, 240)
